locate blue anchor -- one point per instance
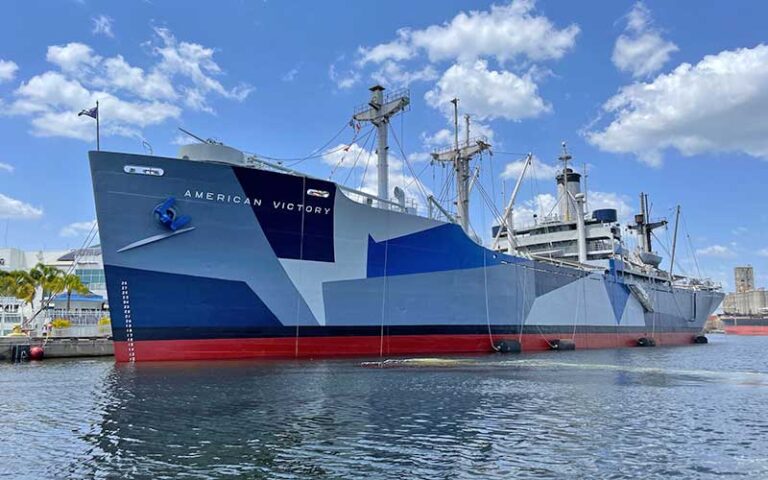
(167, 216)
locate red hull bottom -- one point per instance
(747, 330)
(316, 347)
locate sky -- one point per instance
(650, 96)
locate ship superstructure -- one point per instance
(218, 254)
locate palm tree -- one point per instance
(24, 286)
(46, 277)
(6, 284)
(19, 284)
(71, 284)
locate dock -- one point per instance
(13, 348)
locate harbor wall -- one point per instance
(59, 347)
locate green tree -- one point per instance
(22, 285)
(70, 284)
(47, 277)
(6, 285)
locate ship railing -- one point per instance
(568, 263)
(371, 197)
(73, 323)
(389, 96)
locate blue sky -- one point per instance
(654, 96)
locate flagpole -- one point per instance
(98, 146)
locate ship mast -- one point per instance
(644, 226)
(460, 156)
(565, 158)
(380, 110)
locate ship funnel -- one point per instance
(214, 152)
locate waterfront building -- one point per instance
(86, 263)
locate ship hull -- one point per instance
(258, 264)
(755, 326)
(376, 346)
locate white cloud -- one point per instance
(393, 74)
(76, 58)
(16, 209)
(419, 157)
(130, 97)
(7, 70)
(763, 252)
(343, 80)
(399, 49)
(717, 105)
(120, 75)
(77, 229)
(538, 170)
(53, 100)
(102, 25)
(641, 50)
(716, 250)
(621, 203)
(290, 75)
(445, 137)
(504, 32)
(542, 205)
(488, 94)
(50, 90)
(8, 168)
(194, 62)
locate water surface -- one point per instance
(684, 412)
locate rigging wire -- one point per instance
(489, 202)
(86, 244)
(691, 251)
(346, 149)
(667, 251)
(365, 170)
(496, 152)
(317, 153)
(410, 168)
(357, 158)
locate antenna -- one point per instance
(194, 136)
(586, 190)
(455, 103)
(466, 120)
(565, 157)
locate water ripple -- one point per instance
(641, 413)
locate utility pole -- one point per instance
(460, 158)
(378, 111)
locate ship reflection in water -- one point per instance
(691, 412)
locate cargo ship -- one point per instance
(220, 255)
(745, 312)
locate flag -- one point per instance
(91, 112)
